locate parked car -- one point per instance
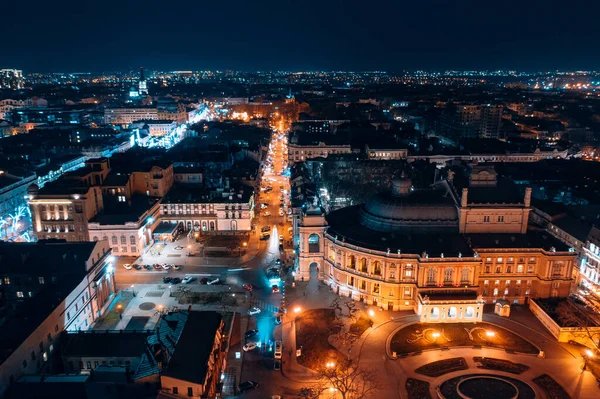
(178, 248)
(127, 266)
(175, 267)
(157, 266)
(265, 229)
(187, 279)
(250, 333)
(278, 349)
(167, 280)
(276, 366)
(247, 386)
(137, 267)
(248, 287)
(213, 280)
(281, 237)
(267, 213)
(250, 346)
(166, 266)
(278, 262)
(148, 267)
(175, 280)
(254, 311)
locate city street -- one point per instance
(246, 265)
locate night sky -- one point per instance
(99, 35)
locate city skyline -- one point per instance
(284, 36)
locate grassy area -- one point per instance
(551, 388)
(313, 328)
(418, 337)
(441, 367)
(490, 363)
(112, 317)
(417, 389)
(360, 326)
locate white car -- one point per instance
(127, 266)
(250, 346)
(254, 311)
(165, 266)
(187, 279)
(267, 213)
(212, 280)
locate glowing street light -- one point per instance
(330, 365)
(297, 309)
(589, 353)
(490, 333)
(435, 334)
(371, 312)
(133, 289)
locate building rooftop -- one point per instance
(103, 344)
(116, 179)
(119, 213)
(195, 345)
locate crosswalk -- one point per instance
(264, 306)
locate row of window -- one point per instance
(486, 219)
(17, 280)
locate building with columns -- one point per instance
(435, 251)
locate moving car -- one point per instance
(248, 287)
(265, 229)
(247, 386)
(187, 279)
(253, 311)
(265, 236)
(250, 333)
(274, 289)
(281, 237)
(278, 319)
(267, 213)
(127, 266)
(280, 212)
(212, 280)
(250, 346)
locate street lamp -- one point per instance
(120, 311)
(297, 309)
(490, 334)
(189, 247)
(435, 334)
(133, 289)
(330, 365)
(371, 312)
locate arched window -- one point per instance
(95, 238)
(115, 240)
(123, 240)
(132, 240)
(204, 225)
(212, 225)
(431, 276)
(352, 262)
(448, 275)
(377, 268)
(464, 275)
(363, 265)
(313, 243)
(496, 291)
(234, 225)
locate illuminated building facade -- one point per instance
(443, 251)
(11, 79)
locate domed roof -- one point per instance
(403, 209)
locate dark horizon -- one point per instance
(339, 35)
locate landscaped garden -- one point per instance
(418, 337)
(360, 326)
(551, 388)
(441, 367)
(417, 389)
(490, 363)
(313, 328)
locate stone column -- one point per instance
(38, 221)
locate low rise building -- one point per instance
(128, 115)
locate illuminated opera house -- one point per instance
(443, 251)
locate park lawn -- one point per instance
(313, 328)
(418, 337)
(360, 326)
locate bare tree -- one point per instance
(345, 335)
(571, 316)
(349, 379)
